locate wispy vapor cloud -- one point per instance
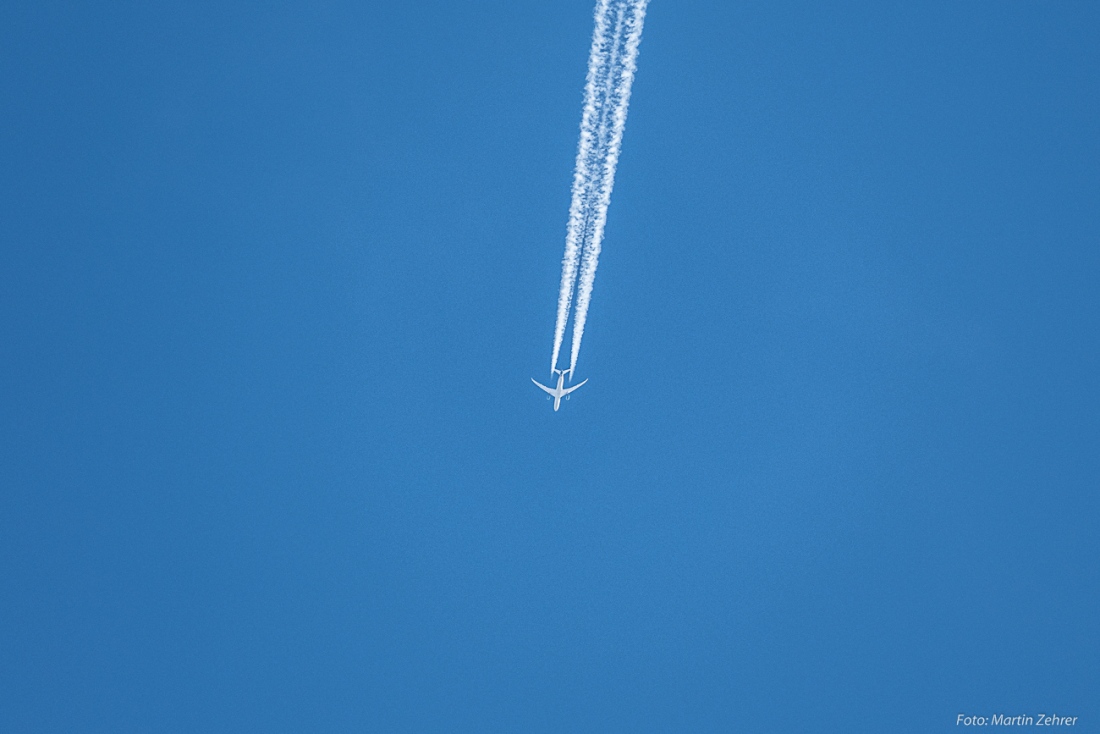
(612, 62)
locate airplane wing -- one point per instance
(545, 388)
(570, 389)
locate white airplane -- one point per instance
(560, 391)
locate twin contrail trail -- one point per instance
(611, 66)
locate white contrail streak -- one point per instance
(590, 122)
(630, 23)
(612, 63)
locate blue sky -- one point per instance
(273, 281)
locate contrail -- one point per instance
(590, 123)
(630, 25)
(612, 62)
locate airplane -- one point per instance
(560, 391)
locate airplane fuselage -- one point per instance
(557, 393)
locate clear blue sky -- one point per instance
(273, 281)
